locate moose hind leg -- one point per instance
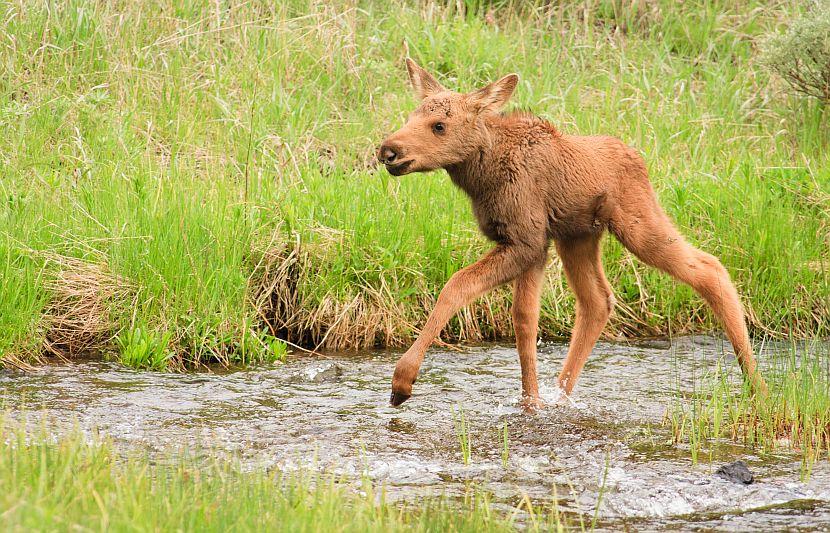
(653, 238)
(594, 302)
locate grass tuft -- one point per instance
(84, 298)
(462, 432)
(140, 348)
(795, 416)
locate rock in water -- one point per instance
(736, 472)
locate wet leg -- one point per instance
(526, 293)
(499, 266)
(594, 302)
(652, 237)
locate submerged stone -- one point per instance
(736, 472)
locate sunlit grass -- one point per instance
(73, 482)
(462, 433)
(218, 162)
(795, 416)
(142, 349)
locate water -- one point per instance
(331, 413)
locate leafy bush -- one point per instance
(801, 55)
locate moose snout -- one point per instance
(388, 154)
(394, 157)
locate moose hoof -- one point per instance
(398, 398)
(532, 405)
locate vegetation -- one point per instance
(202, 173)
(72, 483)
(462, 431)
(141, 349)
(802, 54)
(190, 182)
(796, 415)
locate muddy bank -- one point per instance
(606, 449)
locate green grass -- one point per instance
(203, 171)
(74, 483)
(795, 416)
(462, 433)
(141, 349)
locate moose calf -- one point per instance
(529, 185)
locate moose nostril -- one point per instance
(388, 155)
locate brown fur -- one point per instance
(530, 185)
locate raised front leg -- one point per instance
(526, 294)
(499, 266)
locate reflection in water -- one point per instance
(332, 413)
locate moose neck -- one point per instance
(481, 172)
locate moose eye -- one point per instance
(439, 127)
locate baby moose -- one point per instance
(529, 185)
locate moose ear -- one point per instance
(422, 81)
(495, 95)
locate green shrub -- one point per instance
(801, 55)
(143, 348)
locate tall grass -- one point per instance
(795, 416)
(205, 169)
(73, 483)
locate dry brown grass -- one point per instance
(281, 290)
(368, 316)
(78, 319)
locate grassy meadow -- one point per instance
(194, 182)
(189, 181)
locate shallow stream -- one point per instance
(606, 450)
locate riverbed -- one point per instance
(605, 451)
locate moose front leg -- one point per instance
(501, 265)
(526, 294)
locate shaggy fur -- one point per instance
(530, 185)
